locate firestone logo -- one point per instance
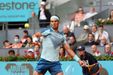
(17, 5)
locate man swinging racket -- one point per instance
(52, 39)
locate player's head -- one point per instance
(81, 50)
(54, 21)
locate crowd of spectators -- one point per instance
(92, 35)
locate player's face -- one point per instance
(54, 24)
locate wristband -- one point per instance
(76, 58)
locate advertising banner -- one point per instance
(69, 68)
(17, 10)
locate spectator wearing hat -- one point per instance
(84, 35)
(44, 15)
(29, 54)
(87, 58)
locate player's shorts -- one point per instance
(53, 67)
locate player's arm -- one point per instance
(70, 51)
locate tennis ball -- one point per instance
(26, 25)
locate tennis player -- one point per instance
(52, 39)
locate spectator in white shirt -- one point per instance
(94, 31)
(44, 15)
(103, 33)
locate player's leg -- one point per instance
(41, 67)
(37, 73)
(60, 73)
(55, 68)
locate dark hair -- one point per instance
(101, 26)
(95, 26)
(11, 51)
(25, 31)
(17, 36)
(91, 34)
(5, 41)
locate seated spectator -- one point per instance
(95, 51)
(102, 33)
(103, 41)
(107, 50)
(37, 51)
(83, 36)
(62, 52)
(7, 44)
(77, 21)
(30, 54)
(90, 40)
(29, 43)
(67, 33)
(17, 43)
(70, 38)
(36, 40)
(72, 42)
(11, 53)
(24, 38)
(12, 56)
(25, 35)
(94, 31)
(89, 14)
(111, 14)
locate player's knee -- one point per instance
(35, 73)
(60, 73)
